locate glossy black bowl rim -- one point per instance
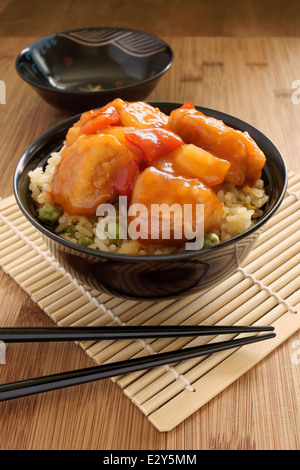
(137, 258)
(101, 92)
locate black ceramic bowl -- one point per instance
(154, 277)
(83, 69)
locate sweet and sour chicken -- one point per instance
(135, 150)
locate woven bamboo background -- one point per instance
(265, 290)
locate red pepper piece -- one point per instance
(188, 105)
(98, 119)
(124, 179)
(153, 143)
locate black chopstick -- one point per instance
(66, 379)
(34, 334)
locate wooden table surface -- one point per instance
(250, 77)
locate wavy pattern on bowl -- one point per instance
(134, 43)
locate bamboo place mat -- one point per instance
(265, 290)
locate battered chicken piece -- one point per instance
(237, 147)
(116, 113)
(93, 122)
(82, 180)
(155, 187)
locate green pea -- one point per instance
(49, 214)
(210, 239)
(94, 221)
(85, 241)
(70, 230)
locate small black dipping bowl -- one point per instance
(154, 277)
(83, 69)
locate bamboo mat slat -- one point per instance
(265, 290)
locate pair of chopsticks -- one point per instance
(66, 379)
